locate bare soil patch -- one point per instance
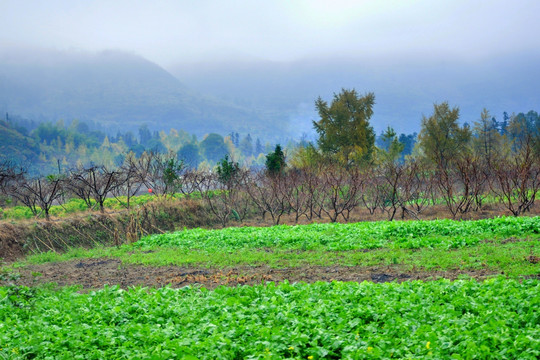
(95, 273)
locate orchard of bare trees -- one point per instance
(322, 190)
(455, 167)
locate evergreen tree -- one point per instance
(503, 127)
(227, 170)
(394, 148)
(486, 139)
(189, 153)
(275, 161)
(235, 139)
(137, 149)
(524, 129)
(155, 145)
(171, 172)
(246, 145)
(213, 147)
(258, 147)
(144, 135)
(408, 142)
(129, 139)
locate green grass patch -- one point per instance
(463, 319)
(510, 258)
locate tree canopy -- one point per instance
(275, 161)
(442, 139)
(344, 130)
(214, 147)
(189, 153)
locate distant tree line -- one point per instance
(54, 147)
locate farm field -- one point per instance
(415, 289)
(441, 319)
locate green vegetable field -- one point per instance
(463, 319)
(365, 235)
(493, 315)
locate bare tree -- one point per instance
(516, 181)
(161, 172)
(447, 184)
(373, 195)
(95, 182)
(242, 202)
(268, 195)
(6, 171)
(297, 192)
(38, 194)
(416, 187)
(472, 176)
(312, 188)
(341, 187)
(78, 188)
(190, 179)
(9, 175)
(224, 198)
(461, 184)
(392, 174)
(129, 182)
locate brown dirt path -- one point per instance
(94, 273)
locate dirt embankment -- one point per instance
(94, 273)
(90, 229)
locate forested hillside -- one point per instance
(16, 144)
(45, 148)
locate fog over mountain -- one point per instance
(257, 66)
(405, 87)
(118, 90)
(273, 100)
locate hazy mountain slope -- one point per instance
(404, 88)
(16, 146)
(119, 90)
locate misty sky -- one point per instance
(170, 32)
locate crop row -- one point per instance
(496, 319)
(363, 235)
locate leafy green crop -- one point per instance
(339, 237)
(496, 319)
